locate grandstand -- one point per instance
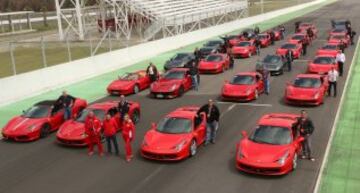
(150, 19)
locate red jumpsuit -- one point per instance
(92, 130)
(128, 131)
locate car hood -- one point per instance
(320, 67)
(162, 141)
(165, 83)
(118, 84)
(241, 49)
(262, 153)
(175, 63)
(20, 125)
(238, 89)
(205, 64)
(71, 129)
(302, 92)
(270, 66)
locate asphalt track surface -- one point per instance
(43, 166)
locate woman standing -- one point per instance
(128, 132)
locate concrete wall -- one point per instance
(36, 82)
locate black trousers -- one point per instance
(341, 68)
(332, 85)
(153, 77)
(112, 140)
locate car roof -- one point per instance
(45, 103)
(279, 119)
(308, 76)
(188, 112)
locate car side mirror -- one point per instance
(153, 126)
(244, 134)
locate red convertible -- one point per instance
(244, 49)
(38, 121)
(245, 86)
(329, 49)
(71, 133)
(322, 64)
(176, 137)
(307, 89)
(298, 38)
(172, 84)
(272, 148)
(336, 39)
(129, 83)
(265, 39)
(214, 63)
(295, 48)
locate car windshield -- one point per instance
(213, 58)
(174, 75)
(243, 80)
(263, 36)
(271, 59)
(288, 46)
(324, 60)
(129, 76)
(180, 56)
(99, 113)
(298, 37)
(307, 83)
(213, 43)
(339, 31)
(329, 47)
(174, 125)
(38, 111)
(338, 37)
(243, 44)
(272, 135)
(206, 49)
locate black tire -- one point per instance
(45, 130)
(136, 116)
(181, 90)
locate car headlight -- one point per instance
(180, 146)
(173, 87)
(240, 154)
(32, 128)
(283, 158)
(317, 95)
(248, 91)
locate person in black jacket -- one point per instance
(305, 128)
(194, 73)
(152, 72)
(123, 107)
(212, 119)
(197, 55)
(65, 101)
(257, 43)
(289, 55)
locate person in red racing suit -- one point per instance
(128, 132)
(93, 133)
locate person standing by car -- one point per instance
(340, 59)
(152, 72)
(65, 101)
(332, 78)
(197, 55)
(123, 108)
(257, 30)
(289, 59)
(310, 34)
(297, 26)
(257, 45)
(231, 58)
(128, 133)
(304, 44)
(110, 127)
(266, 77)
(282, 31)
(306, 129)
(194, 72)
(93, 133)
(272, 37)
(342, 46)
(212, 120)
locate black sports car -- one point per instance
(206, 50)
(180, 60)
(273, 63)
(219, 44)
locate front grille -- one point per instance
(160, 156)
(259, 170)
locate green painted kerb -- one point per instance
(94, 88)
(341, 173)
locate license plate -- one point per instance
(115, 92)
(159, 96)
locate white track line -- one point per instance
(246, 104)
(333, 129)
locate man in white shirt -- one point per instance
(340, 59)
(332, 78)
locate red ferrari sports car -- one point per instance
(235, 39)
(272, 148)
(176, 137)
(245, 86)
(296, 49)
(244, 49)
(264, 39)
(129, 83)
(322, 64)
(172, 84)
(307, 89)
(71, 133)
(214, 63)
(329, 49)
(337, 31)
(297, 38)
(38, 121)
(336, 39)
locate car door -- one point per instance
(56, 119)
(260, 82)
(200, 129)
(187, 82)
